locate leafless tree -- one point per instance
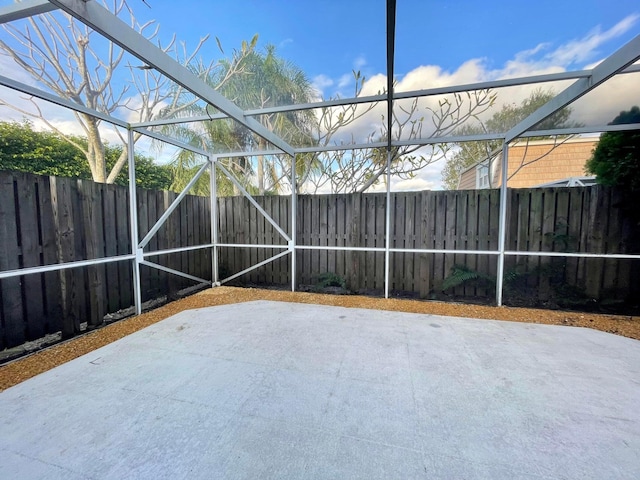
(70, 60)
(349, 171)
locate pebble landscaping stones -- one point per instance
(43, 360)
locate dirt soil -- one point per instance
(32, 365)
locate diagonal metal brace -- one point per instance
(253, 202)
(94, 15)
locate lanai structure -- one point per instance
(576, 84)
(265, 389)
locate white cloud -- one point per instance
(64, 121)
(584, 49)
(575, 53)
(321, 82)
(9, 68)
(359, 62)
(433, 76)
(345, 80)
(596, 108)
(413, 185)
(285, 42)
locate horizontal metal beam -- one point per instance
(176, 120)
(174, 272)
(329, 248)
(339, 248)
(337, 102)
(578, 130)
(157, 253)
(247, 153)
(401, 143)
(448, 139)
(25, 9)
(94, 15)
(618, 256)
(395, 250)
(507, 82)
(471, 138)
(250, 245)
(613, 64)
(173, 141)
(531, 133)
(341, 147)
(63, 266)
(63, 102)
(504, 83)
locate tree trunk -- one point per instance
(122, 160)
(95, 156)
(260, 175)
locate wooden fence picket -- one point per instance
(13, 321)
(48, 220)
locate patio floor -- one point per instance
(280, 390)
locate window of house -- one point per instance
(482, 176)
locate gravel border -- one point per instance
(29, 366)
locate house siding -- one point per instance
(468, 180)
(539, 163)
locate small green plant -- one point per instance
(461, 274)
(330, 279)
(561, 238)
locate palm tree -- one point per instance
(261, 80)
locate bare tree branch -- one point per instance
(69, 59)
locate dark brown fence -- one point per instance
(585, 220)
(49, 220)
(46, 220)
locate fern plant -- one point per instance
(330, 279)
(461, 274)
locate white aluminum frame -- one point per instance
(97, 17)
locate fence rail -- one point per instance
(576, 219)
(51, 220)
(48, 220)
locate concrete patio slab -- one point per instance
(278, 390)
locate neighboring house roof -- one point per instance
(571, 182)
(535, 163)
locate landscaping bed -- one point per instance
(41, 361)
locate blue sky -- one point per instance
(438, 43)
(331, 37)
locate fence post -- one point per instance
(133, 215)
(353, 258)
(91, 209)
(214, 219)
(426, 241)
(62, 206)
(502, 228)
(294, 216)
(11, 308)
(387, 228)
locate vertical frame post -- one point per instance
(133, 216)
(391, 39)
(387, 229)
(502, 230)
(214, 219)
(294, 217)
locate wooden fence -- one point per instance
(586, 219)
(47, 220)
